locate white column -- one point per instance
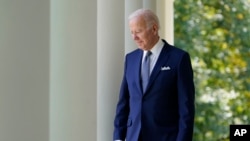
(130, 6)
(24, 70)
(165, 11)
(150, 4)
(110, 56)
(73, 80)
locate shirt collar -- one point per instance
(157, 47)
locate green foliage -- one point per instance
(216, 33)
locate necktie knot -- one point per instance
(148, 53)
(147, 58)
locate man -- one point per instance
(156, 101)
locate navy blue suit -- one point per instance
(165, 112)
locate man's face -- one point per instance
(141, 34)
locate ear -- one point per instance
(155, 28)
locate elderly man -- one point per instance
(156, 101)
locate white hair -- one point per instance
(149, 16)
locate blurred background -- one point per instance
(217, 35)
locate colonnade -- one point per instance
(62, 63)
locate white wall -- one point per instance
(24, 70)
(73, 66)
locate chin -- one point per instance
(140, 46)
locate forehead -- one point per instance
(137, 22)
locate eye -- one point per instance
(136, 31)
(139, 31)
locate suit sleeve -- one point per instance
(122, 110)
(186, 99)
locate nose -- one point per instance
(134, 36)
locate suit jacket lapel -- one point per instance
(160, 62)
(138, 70)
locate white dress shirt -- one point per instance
(156, 50)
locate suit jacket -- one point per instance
(165, 111)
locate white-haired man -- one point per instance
(156, 101)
